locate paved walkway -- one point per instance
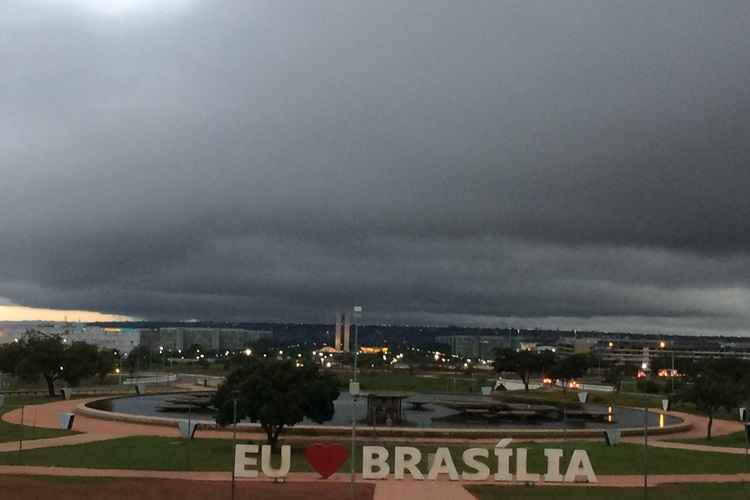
(34, 444)
(689, 446)
(700, 427)
(699, 430)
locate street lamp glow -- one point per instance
(248, 352)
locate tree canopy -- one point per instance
(50, 357)
(570, 368)
(276, 394)
(715, 384)
(525, 364)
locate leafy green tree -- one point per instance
(716, 384)
(43, 355)
(50, 357)
(276, 394)
(525, 364)
(10, 356)
(570, 368)
(80, 361)
(106, 362)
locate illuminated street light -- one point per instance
(248, 352)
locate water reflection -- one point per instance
(431, 414)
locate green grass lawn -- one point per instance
(697, 491)
(13, 432)
(734, 440)
(216, 454)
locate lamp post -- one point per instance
(234, 439)
(354, 391)
(663, 345)
(645, 450)
(747, 439)
(20, 437)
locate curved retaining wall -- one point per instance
(331, 430)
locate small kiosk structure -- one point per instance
(385, 407)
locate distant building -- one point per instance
(210, 339)
(120, 339)
(642, 351)
(342, 332)
(477, 346)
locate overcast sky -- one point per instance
(581, 164)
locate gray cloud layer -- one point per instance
(272, 160)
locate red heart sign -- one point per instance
(326, 458)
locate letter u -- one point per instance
(265, 461)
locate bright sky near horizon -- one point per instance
(10, 312)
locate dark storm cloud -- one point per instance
(273, 160)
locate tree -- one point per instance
(106, 362)
(42, 355)
(80, 361)
(276, 394)
(50, 357)
(716, 384)
(10, 356)
(523, 363)
(661, 362)
(614, 376)
(570, 368)
(137, 359)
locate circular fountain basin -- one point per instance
(429, 416)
